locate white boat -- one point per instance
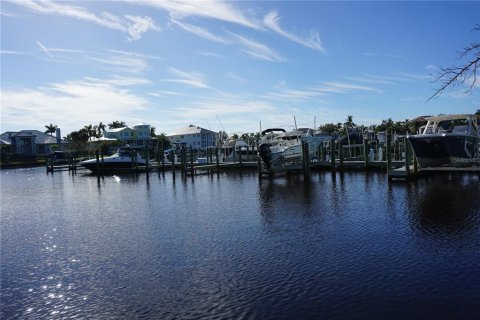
(232, 151)
(450, 140)
(280, 149)
(124, 160)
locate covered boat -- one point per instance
(448, 140)
(126, 159)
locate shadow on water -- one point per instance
(445, 206)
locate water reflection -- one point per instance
(446, 207)
(226, 246)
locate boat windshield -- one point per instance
(124, 153)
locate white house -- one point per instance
(194, 136)
(139, 136)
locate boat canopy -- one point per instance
(264, 132)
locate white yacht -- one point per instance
(279, 148)
(450, 140)
(123, 160)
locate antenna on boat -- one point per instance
(295, 120)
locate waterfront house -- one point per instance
(138, 136)
(32, 142)
(194, 136)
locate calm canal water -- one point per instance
(228, 247)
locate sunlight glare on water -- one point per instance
(155, 246)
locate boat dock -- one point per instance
(399, 162)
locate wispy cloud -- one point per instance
(212, 55)
(210, 108)
(258, 50)
(12, 52)
(193, 79)
(283, 94)
(139, 26)
(200, 32)
(272, 21)
(343, 87)
(44, 49)
(120, 63)
(134, 26)
(6, 14)
(70, 104)
(213, 9)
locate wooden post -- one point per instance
(136, 161)
(365, 152)
(240, 156)
(306, 160)
(217, 159)
(172, 156)
(233, 152)
(162, 159)
(340, 155)
(408, 155)
(102, 167)
(191, 161)
(259, 167)
(415, 162)
(388, 152)
(182, 159)
(332, 154)
(97, 157)
(147, 156)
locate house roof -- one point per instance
(191, 129)
(141, 124)
(40, 137)
(118, 129)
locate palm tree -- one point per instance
(101, 129)
(51, 129)
(116, 124)
(90, 131)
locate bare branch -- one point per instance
(454, 76)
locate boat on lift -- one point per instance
(126, 159)
(448, 140)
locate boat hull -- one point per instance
(445, 150)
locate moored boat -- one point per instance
(448, 140)
(126, 159)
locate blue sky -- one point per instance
(228, 65)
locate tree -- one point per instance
(51, 129)
(152, 132)
(101, 129)
(328, 128)
(162, 141)
(465, 73)
(116, 124)
(91, 132)
(78, 139)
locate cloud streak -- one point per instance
(257, 50)
(193, 79)
(44, 49)
(212, 9)
(134, 26)
(272, 21)
(200, 32)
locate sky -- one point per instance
(236, 66)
